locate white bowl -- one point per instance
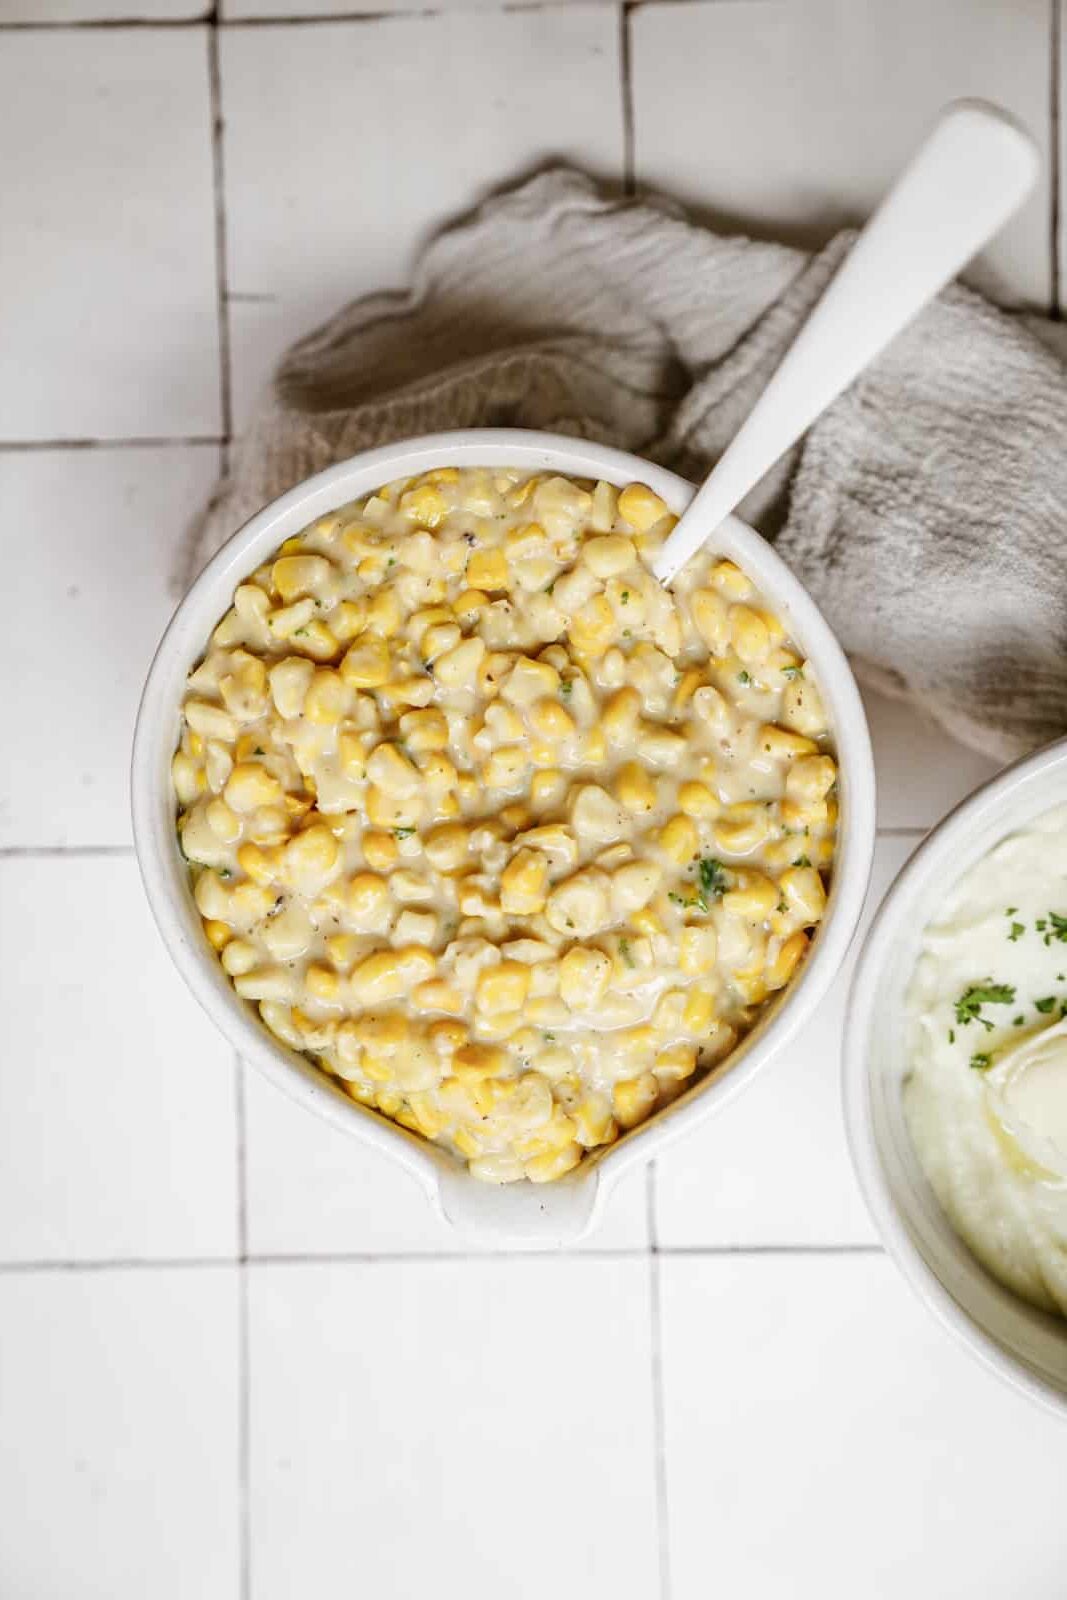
(1026, 1346)
(567, 1209)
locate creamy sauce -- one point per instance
(510, 839)
(986, 1100)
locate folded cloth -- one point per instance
(922, 511)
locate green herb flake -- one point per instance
(626, 952)
(980, 1061)
(1017, 1022)
(802, 861)
(403, 833)
(1045, 1005)
(713, 879)
(566, 688)
(1010, 912)
(792, 672)
(1017, 931)
(625, 597)
(1058, 927)
(224, 872)
(971, 1001)
(744, 677)
(952, 1036)
(1041, 925)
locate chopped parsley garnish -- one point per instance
(1058, 927)
(550, 586)
(802, 861)
(259, 751)
(1041, 925)
(970, 1003)
(1010, 912)
(1046, 1005)
(224, 872)
(403, 833)
(566, 687)
(300, 633)
(696, 903)
(626, 952)
(1017, 1022)
(744, 677)
(550, 1038)
(712, 877)
(625, 597)
(979, 1061)
(952, 1036)
(1017, 931)
(792, 672)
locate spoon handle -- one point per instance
(971, 173)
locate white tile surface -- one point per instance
(314, 1191)
(110, 297)
(774, 1168)
(412, 120)
(116, 1093)
(118, 1393)
(824, 1437)
(791, 120)
(60, 11)
(921, 772)
(474, 1428)
(95, 531)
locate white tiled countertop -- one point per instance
(239, 1359)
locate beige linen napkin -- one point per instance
(923, 510)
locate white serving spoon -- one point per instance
(964, 182)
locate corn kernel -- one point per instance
(810, 778)
(391, 974)
(366, 665)
(258, 864)
(609, 554)
(679, 839)
(742, 828)
(784, 964)
(688, 684)
(634, 1098)
(437, 995)
(553, 1164)
(327, 697)
(731, 581)
(697, 948)
(294, 576)
(505, 768)
(749, 635)
(640, 507)
(218, 933)
(676, 1063)
(503, 987)
(783, 743)
(583, 978)
(310, 859)
(699, 1012)
(751, 896)
(804, 893)
(250, 786)
(391, 770)
(323, 984)
(424, 730)
(524, 884)
(380, 850)
(634, 788)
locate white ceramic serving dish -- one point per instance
(1026, 1346)
(567, 1209)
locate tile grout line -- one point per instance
(1055, 63)
(148, 442)
(218, 177)
(243, 1342)
(659, 1439)
(629, 181)
(30, 852)
(423, 1257)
